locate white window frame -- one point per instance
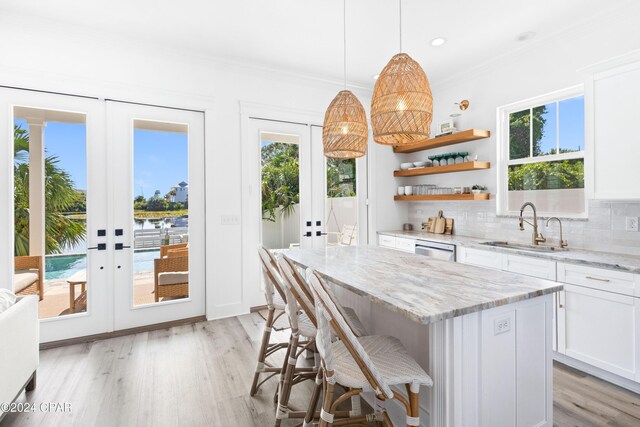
(502, 145)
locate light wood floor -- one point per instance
(200, 374)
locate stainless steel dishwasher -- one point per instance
(437, 250)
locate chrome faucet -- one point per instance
(537, 238)
(563, 243)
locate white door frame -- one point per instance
(251, 293)
(120, 119)
(95, 319)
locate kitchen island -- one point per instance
(484, 336)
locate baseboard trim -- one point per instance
(123, 332)
(597, 372)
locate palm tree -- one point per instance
(60, 196)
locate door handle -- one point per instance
(121, 246)
(99, 246)
(307, 234)
(320, 233)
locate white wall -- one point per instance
(53, 57)
(541, 66)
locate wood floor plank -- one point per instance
(200, 374)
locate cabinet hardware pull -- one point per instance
(598, 279)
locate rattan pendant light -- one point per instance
(345, 130)
(402, 104)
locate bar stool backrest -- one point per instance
(296, 286)
(329, 316)
(272, 279)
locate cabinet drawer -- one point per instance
(386, 241)
(406, 245)
(535, 267)
(482, 258)
(598, 278)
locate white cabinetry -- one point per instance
(529, 266)
(599, 319)
(612, 102)
(480, 258)
(399, 243)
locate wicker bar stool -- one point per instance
(301, 311)
(369, 363)
(274, 294)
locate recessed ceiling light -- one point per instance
(526, 36)
(438, 41)
(376, 77)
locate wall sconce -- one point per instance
(462, 106)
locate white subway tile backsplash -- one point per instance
(604, 230)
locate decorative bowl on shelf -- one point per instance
(405, 166)
(419, 164)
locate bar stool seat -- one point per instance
(389, 356)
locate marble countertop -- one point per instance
(607, 260)
(423, 289)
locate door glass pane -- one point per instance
(572, 124)
(544, 130)
(160, 212)
(341, 202)
(280, 166)
(519, 135)
(50, 215)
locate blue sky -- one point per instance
(571, 125)
(160, 158)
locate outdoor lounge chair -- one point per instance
(165, 249)
(346, 237)
(171, 276)
(28, 276)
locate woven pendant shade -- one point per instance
(402, 105)
(345, 131)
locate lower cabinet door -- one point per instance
(600, 328)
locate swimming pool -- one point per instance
(65, 266)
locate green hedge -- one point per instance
(547, 175)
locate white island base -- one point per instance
(490, 368)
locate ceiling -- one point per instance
(305, 36)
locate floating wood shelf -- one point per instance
(455, 138)
(460, 167)
(416, 198)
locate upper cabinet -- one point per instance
(612, 108)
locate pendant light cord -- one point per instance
(344, 34)
(400, 25)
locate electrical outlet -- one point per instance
(631, 223)
(465, 216)
(482, 216)
(419, 212)
(500, 326)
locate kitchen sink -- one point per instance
(524, 247)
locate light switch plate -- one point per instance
(230, 219)
(631, 223)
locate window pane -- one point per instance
(544, 130)
(556, 187)
(519, 141)
(160, 212)
(341, 205)
(572, 124)
(280, 193)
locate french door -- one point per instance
(293, 196)
(75, 236)
(156, 189)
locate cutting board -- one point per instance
(430, 225)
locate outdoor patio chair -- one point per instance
(346, 237)
(360, 364)
(171, 277)
(164, 249)
(275, 298)
(28, 277)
